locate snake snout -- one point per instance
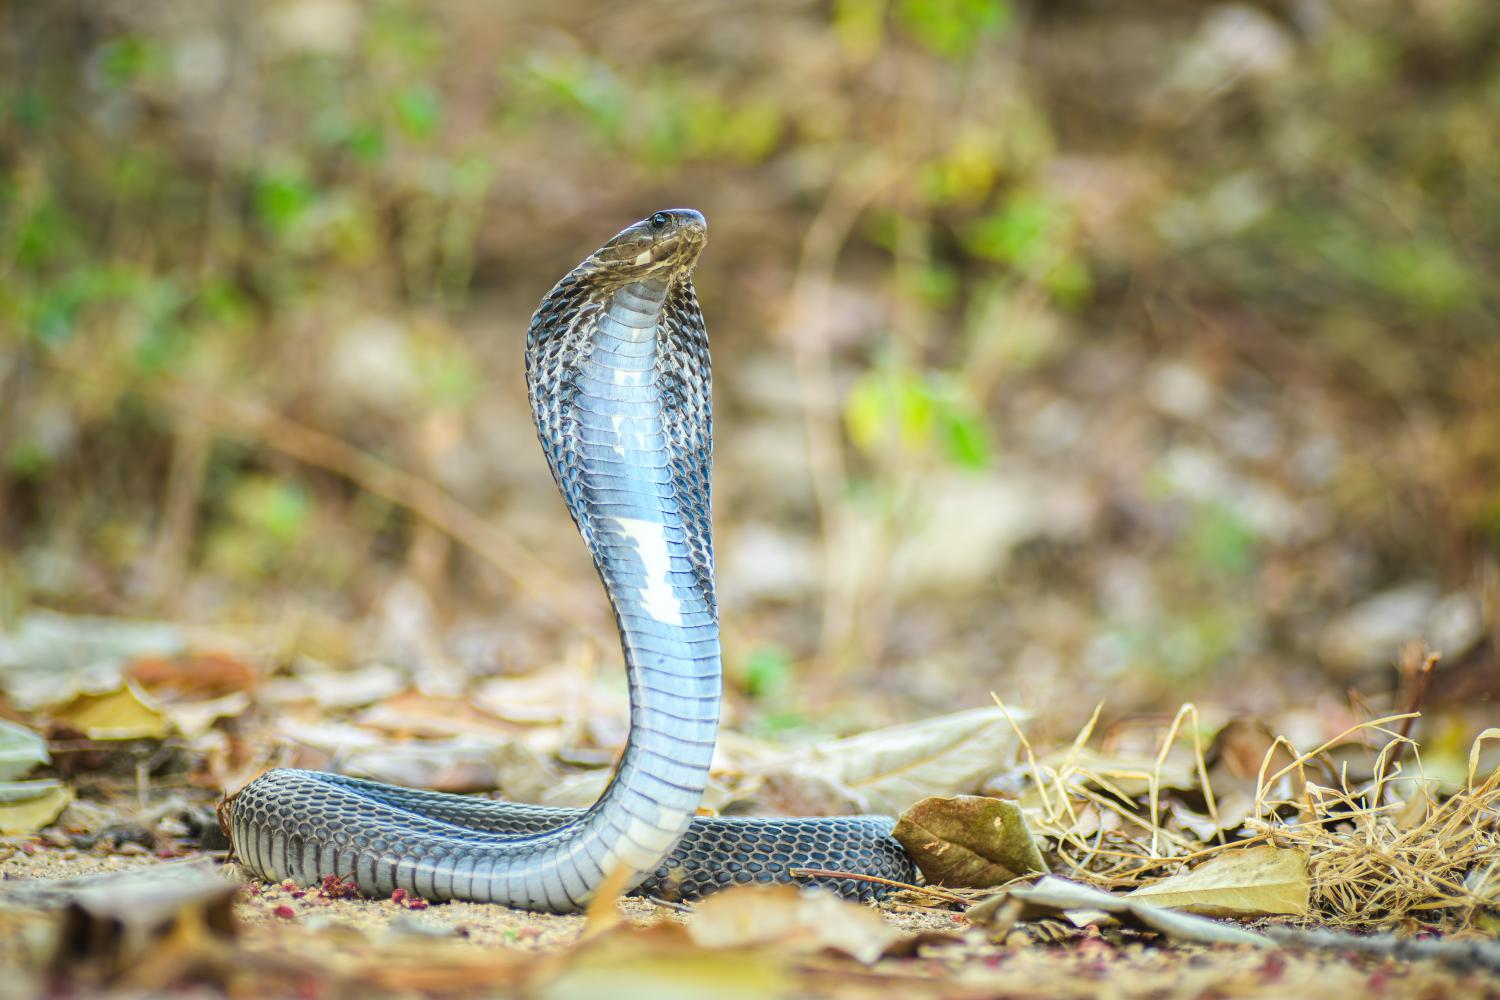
(686, 221)
(677, 233)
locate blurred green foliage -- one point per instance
(341, 212)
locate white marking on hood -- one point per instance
(660, 600)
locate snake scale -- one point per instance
(618, 374)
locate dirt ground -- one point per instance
(283, 941)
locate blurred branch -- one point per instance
(179, 519)
(526, 570)
(260, 425)
(810, 302)
(1465, 955)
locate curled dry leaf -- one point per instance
(969, 841)
(1259, 881)
(889, 769)
(790, 919)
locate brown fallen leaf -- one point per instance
(27, 806)
(413, 714)
(792, 920)
(1259, 881)
(199, 675)
(969, 841)
(124, 713)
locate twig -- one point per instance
(668, 904)
(423, 498)
(261, 425)
(859, 877)
(1414, 703)
(1466, 955)
(808, 301)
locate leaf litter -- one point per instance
(1227, 838)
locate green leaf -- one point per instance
(952, 28)
(1021, 232)
(126, 58)
(917, 411)
(418, 111)
(967, 438)
(281, 198)
(768, 672)
(279, 511)
(1222, 541)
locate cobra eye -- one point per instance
(658, 222)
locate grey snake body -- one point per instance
(618, 374)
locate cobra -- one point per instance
(618, 374)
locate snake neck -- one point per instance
(603, 383)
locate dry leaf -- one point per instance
(412, 713)
(20, 751)
(125, 713)
(889, 769)
(969, 841)
(1055, 895)
(331, 688)
(49, 657)
(145, 931)
(194, 718)
(202, 675)
(661, 963)
(1259, 881)
(790, 919)
(27, 806)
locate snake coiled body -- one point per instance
(619, 378)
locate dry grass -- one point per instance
(1382, 847)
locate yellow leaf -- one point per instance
(27, 806)
(126, 713)
(1251, 882)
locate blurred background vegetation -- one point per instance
(1072, 349)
